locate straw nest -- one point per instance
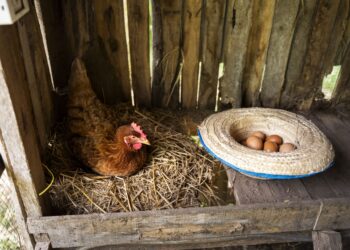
(178, 173)
(222, 132)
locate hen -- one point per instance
(96, 140)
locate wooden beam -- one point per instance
(27, 240)
(320, 38)
(138, 21)
(214, 18)
(259, 37)
(192, 225)
(237, 29)
(18, 131)
(169, 26)
(297, 54)
(326, 240)
(191, 46)
(341, 94)
(284, 22)
(38, 75)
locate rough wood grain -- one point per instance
(17, 126)
(55, 36)
(238, 25)
(338, 31)
(139, 48)
(258, 43)
(212, 46)
(37, 72)
(337, 131)
(297, 54)
(284, 21)
(326, 240)
(321, 35)
(27, 240)
(250, 191)
(111, 39)
(191, 44)
(341, 94)
(169, 28)
(191, 225)
(344, 44)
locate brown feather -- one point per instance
(96, 141)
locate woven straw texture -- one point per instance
(222, 132)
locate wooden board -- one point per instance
(235, 50)
(341, 94)
(17, 128)
(250, 191)
(50, 14)
(138, 21)
(191, 44)
(298, 51)
(258, 43)
(192, 225)
(167, 28)
(284, 21)
(27, 240)
(326, 240)
(212, 45)
(321, 35)
(38, 76)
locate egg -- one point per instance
(254, 142)
(270, 146)
(244, 143)
(259, 134)
(275, 138)
(287, 147)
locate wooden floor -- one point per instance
(333, 183)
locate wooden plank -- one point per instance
(338, 176)
(341, 94)
(191, 44)
(87, 31)
(38, 76)
(235, 50)
(338, 31)
(250, 191)
(321, 35)
(192, 225)
(17, 127)
(258, 43)
(138, 21)
(344, 44)
(298, 51)
(226, 244)
(27, 240)
(326, 240)
(212, 46)
(169, 26)
(284, 21)
(50, 14)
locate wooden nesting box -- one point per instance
(275, 54)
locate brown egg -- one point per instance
(270, 146)
(259, 134)
(254, 142)
(287, 147)
(275, 138)
(244, 142)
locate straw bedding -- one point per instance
(222, 132)
(178, 173)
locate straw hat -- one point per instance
(220, 134)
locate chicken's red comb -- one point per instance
(138, 129)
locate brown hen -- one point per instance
(97, 140)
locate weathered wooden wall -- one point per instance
(275, 53)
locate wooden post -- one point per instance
(326, 240)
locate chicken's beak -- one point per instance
(145, 141)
